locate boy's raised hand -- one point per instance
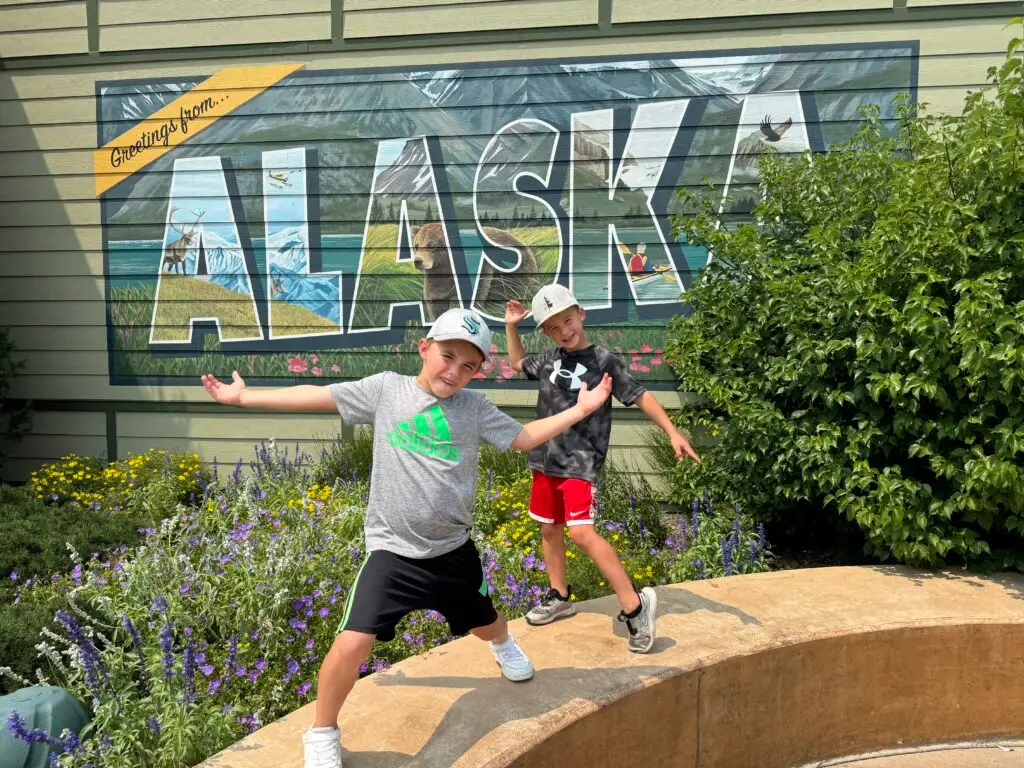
(225, 394)
(515, 312)
(592, 399)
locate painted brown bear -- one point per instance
(430, 255)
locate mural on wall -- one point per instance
(294, 223)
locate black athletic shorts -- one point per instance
(389, 586)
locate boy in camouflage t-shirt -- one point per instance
(427, 435)
(565, 468)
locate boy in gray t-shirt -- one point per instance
(427, 433)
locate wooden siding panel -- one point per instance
(932, 3)
(29, 313)
(446, 18)
(43, 28)
(43, 17)
(301, 27)
(128, 12)
(55, 434)
(381, 5)
(662, 10)
(127, 25)
(284, 428)
(44, 214)
(43, 42)
(79, 423)
(38, 189)
(56, 237)
(60, 338)
(57, 263)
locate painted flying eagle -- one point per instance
(776, 133)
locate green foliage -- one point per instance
(348, 460)
(859, 348)
(212, 626)
(35, 545)
(502, 466)
(15, 418)
(500, 498)
(716, 542)
(36, 536)
(20, 626)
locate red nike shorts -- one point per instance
(561, 500)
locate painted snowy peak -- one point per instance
(319, 294)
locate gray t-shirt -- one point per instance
(580, 451)
(425, 451)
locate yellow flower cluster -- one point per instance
(318, 493)
(521, 533)
(89, 482)
(523, 536)
(512, 498)
(640, 571)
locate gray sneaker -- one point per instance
(552, 607)
(641, 626)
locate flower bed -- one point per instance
(217, 622)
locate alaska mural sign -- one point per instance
(297, 223)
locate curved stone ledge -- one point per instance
(774, 669)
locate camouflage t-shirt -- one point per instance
(580, 451)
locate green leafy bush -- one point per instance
(35, 546)
(859, 348)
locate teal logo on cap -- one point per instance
(470, 323)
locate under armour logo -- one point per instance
(559, 372)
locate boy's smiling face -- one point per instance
(448, 366)
(566, 329)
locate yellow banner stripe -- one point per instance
(189, 114)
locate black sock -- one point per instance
(636, 611)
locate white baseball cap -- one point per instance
(464, 324)
(550, 300)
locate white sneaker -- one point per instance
(641, 624)
(322, 748)
(514, 664)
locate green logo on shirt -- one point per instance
(427, 434)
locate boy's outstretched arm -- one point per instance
(653, 410)
(302, 397)
(542, 430)
(515, 312)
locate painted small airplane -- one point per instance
(279, 178)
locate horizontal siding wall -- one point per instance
(384, 18)
(55, 434)
(43, 28)
(133, 25)
(52, 282)
(648, 10)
